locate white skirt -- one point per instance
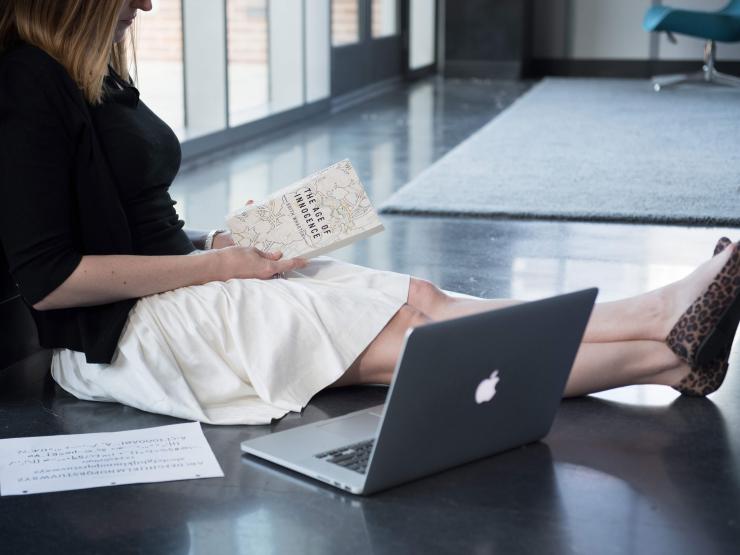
(243, 351)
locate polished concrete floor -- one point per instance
(634, 470)
(389, 140)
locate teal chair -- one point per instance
(722, 26)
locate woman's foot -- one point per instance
(674, 299)
(706, 377)
(706, 329)
(721, 245)
(703, 380)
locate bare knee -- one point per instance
(426, 297)
(409, 316)
(390, 340)
(376, 363)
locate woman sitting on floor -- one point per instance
(100, 256)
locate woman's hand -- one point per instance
(222, 240)
(225, 239)
(249, 262)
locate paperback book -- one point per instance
(320, 213)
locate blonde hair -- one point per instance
(77, 33)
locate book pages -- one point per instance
(320, 213)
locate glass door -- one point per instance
(366, 45)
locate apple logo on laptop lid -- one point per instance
(487, 388)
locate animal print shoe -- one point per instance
(710, 323)
(722, 244)
(703, 380)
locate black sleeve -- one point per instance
(37, 199)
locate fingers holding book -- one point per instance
(293, 263)
(279, 267)
(275, 255)
(249, 262)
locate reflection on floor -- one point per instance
(389, 140)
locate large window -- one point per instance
(423, 24)
(345, 22)
(384, 18)
(247, 39)
(205, 66)
(159, 61)
(317, 31)
(287, 68)
(204, 25)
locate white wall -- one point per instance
(388, 12)
(609, 29)
(422, 26)
(612, 29)
(318, 49)
(205, 66)
(286, 54)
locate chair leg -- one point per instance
(708, 74)
(710, 56)
(725, 79)
(661, 82)
(710, 69)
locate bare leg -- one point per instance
(649, 316)
(623, 343)
(376, 363)
(598, 366)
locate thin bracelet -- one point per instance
(208, 244)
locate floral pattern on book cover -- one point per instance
(321, 209)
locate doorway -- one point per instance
(366, 43)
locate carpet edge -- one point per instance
(567, 217)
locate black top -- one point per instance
(144, 157)
(60, 199)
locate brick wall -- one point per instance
(344, 21)
(380, 9)
(159, 33)
(247, 31)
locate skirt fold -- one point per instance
(244, 351)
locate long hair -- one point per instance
(77, 33)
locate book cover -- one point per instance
(320, 213)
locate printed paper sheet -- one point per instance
(66, 462)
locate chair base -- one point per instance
(665, 81)
(708, 74)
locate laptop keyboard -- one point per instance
(354, 457)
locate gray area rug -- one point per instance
(594, 150)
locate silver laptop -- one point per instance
(463, 389)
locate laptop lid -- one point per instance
(477, 385)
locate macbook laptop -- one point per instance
(462, 389)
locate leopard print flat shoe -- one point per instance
(709, 324)
(703, 380)
(722, 244)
